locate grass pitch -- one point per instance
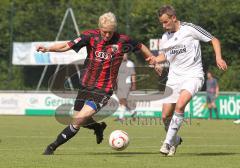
(207, 144)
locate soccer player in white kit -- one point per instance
(180, 45)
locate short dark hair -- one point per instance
(167, 9)
(209, 72)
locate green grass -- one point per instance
(213, 144)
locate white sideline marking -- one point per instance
(85, 137)
(144, 147)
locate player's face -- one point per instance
(209, 75)
(107, 33)
(168, 22)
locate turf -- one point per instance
(213, 144)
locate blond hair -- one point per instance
(107, 20)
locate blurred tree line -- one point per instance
(39, 20)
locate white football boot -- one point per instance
(173, 148)
(165, 149)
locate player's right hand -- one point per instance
(41, 48)
(159, 69)
(221, 64)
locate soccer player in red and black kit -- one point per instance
(105, 48)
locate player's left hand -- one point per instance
(221, 64)
(151, 60)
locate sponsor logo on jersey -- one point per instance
(178, 51)
(103, 55)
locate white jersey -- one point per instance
(183, 51)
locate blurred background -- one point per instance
(29, 21)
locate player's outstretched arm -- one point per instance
(58, 47)
(153, 60)
(158, 59)
(146, 52)
(149, 57)
(217, 49)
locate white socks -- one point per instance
(174, 126)
(122, 109)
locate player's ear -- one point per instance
(174, 18)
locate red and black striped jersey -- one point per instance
(104, 58)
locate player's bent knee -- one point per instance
(79, 121)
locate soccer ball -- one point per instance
(118, 140)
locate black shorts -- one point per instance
(99, 97)
(211, 98)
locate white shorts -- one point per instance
(123, 91)
(174, 87)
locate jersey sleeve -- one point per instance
(132, 45)
(78, 43)
(199, 33)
